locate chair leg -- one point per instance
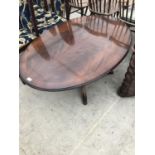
(68, 9)
(82, 11)
(117, 14)
(127, 89)
(69, 12)
(86, 10)
(92, 13)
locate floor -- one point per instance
(57, 123)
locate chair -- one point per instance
(42, 17)
(127, 11)
(104, 7)
(26, 35)
(127, 15)
(127, 89)
(34, 18)
(78, 4)
(57, 6)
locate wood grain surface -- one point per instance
(74, 53)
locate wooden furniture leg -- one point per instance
(84, 95)
(67, 8)
(127, 88)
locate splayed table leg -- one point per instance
(84, 95)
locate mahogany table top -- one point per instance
(74, 53)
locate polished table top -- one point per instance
(74, 53)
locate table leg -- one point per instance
(84, 95)
(111, 72)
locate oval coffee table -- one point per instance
(74, 54)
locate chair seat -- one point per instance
(127, 18)
(25, 37)
(84, 4)
(106, 10)
(45, 19)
